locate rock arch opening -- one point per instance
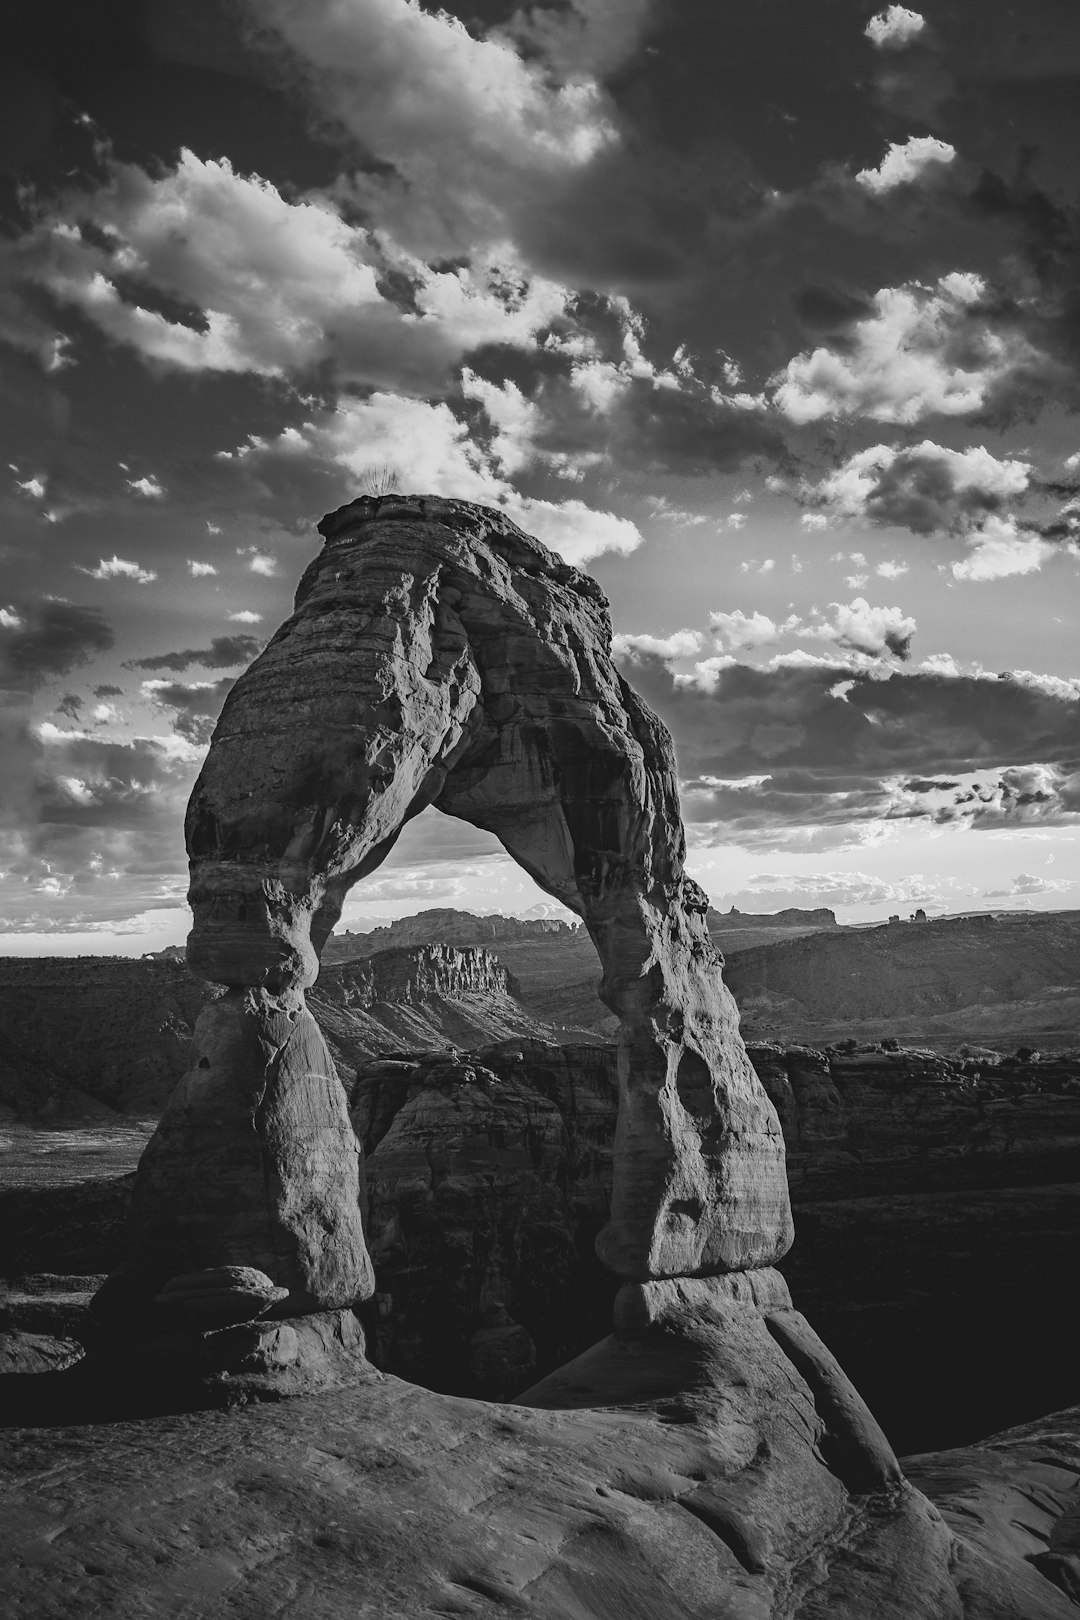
(438, 656)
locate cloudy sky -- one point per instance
(766, 311)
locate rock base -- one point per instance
(265, 1360)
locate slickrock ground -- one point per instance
(386, 1502)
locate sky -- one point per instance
(767, 312)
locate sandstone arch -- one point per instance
(439, 656)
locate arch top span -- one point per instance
(439, 656)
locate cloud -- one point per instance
(903, 164)
(999, 549)
(192, 706)
(680, 644)
(919, 350)
(738, 629)
(69, 705)
(470, 137)
(98, 830)
(925, 487)
(854, 625)
(33, 487)
(267, 285)
(431, 451)
(872, 630)
(118, 568)
(839, 744)
(223, 653)
(245, 616)
(147, 487)
(775, 891)
(47, 638)
(894, 28)
(1024, 883)
(200, 570)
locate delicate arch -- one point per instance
(438, 655)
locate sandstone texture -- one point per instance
(252, 1165)
(937, 1205)
(707, 1483)
(439, 656)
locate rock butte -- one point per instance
(439, 656)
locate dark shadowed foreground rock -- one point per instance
(665, 1502)
(252, 1165)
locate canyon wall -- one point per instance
(85, 1037)
(1002, 977)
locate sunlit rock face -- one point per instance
(439, 656)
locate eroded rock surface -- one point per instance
(438, 655)
(253, 1164)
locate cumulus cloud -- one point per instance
(273, 286)
(855, 625)
(119, 568)
(192, 706)
(919, 350)
(470, 135)
(999, 548)
(680, 644)
(200, 570)
(925, 487)
(431, 451)
(148, 487)
(1025, 883)
(738, 629)
(245, 616)
(905, 163)
(223, 653)
(894, 28)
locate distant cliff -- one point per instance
(445, 926)
(83, 1037)
(1001, 979)
(87, 1035)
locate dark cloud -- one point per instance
(49, 638)
(192, 708)
(222, 653)
(835, 720)
(107, 691)
(69, 705)
(813, 744)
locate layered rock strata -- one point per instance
(439, 656)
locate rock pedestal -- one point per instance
(245, 1212)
